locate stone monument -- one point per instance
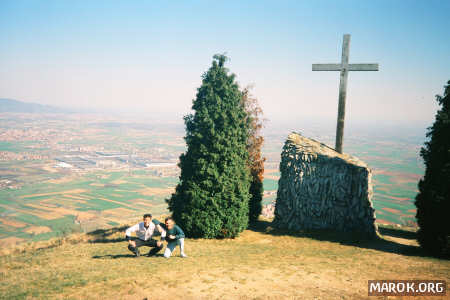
(320, 188)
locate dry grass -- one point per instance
(120, 211)
(261, 264)
(64, 179)
(150, 191)
(37, 229)
(12, 222)
(119, 181)
(11, 241)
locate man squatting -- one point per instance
(145, 231)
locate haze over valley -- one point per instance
(63, 172)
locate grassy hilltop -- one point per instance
(262, 263)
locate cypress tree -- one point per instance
(211, 199)
(433, 199)
(256, 160)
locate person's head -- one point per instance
(147, 219)
(169, 222)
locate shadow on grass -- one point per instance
(106, 235)
(349, 239)
(111, 256)
(116, 256)
(398, 233)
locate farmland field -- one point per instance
(78, 173)
(60, 175)
(81, 203)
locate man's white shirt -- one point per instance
(141, 232)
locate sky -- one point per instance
(147, 57)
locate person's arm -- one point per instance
(130, 231)
(162, 231)
(162, 228)
(179, 233)
(159, 227)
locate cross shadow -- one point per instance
(350, 239)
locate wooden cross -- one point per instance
(344, 67)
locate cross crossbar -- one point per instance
(351, 67)
(344, 67)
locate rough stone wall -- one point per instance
(320, 188)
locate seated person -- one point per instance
(145, 231)
(174, 236)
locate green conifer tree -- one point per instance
(433, 199)
(211, 199)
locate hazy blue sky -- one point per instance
(148, 56)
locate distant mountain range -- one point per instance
(10, 105)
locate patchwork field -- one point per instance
(397, 169)
(54, 207)
(81, 203)
(77, 173)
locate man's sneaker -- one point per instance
(183, 255)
